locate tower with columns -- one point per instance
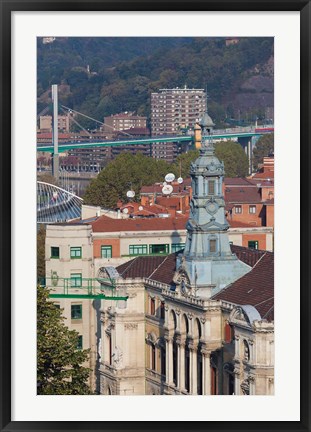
(207, 264)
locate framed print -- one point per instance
(197, 312)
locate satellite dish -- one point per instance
(126, 210)
(167, 189)
(130, 194)
(170, 177)
(180, 180)
(140, 208)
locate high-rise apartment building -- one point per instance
(173, 111)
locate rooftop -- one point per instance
(106, 224)
(256, 288)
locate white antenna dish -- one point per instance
(170, 177)
(130, 194)
(126, 210)
(140, 208)
(180, 180)
(167, 189)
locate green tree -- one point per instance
(264, 147)
(59, 370)
(233, 157)
(41, 252)
(126, 172)
(183, 161)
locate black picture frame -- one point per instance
(7, 7)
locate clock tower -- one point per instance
(207, 264)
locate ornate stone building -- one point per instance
(195, 322)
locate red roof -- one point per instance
(237, 181)
(242, 194)
(140, 267)
(256, 288)
(263, 175)
(106, 224)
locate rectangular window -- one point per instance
(238, 209)
(138, 249)
(176, 247)
(80, 342)
(253, 244)
(76, 311)
(212, 245)
(159, 249)
(106, 251)
(76, 279)
(75, 252)
(211, 187)
(252, 209)
(54, 252)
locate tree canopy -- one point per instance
(125, 172)
(264, 147)
(233, 157)
(130, 171)
(59, 361)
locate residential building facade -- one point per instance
(173, 112)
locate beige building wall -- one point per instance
(122, 368)
(66, 237)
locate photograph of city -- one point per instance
(155, 216)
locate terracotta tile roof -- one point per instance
(247, 255)
(140, 267)
(242, 195)
(237, 181)
(263, 175)
(256, 288)
(166, 270)
(106, 224)
(162, 268)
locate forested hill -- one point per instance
(103, 76)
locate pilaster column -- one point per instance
(237, 381)
(181, 366)
(206, 372)
(193, 371)
(169, 361)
